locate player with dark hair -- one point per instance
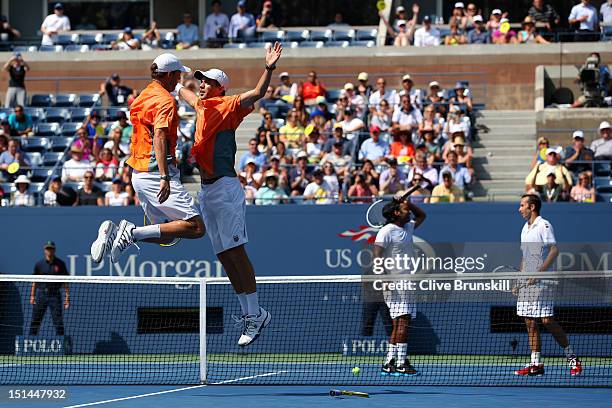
(222, 199)
(536, 299)
(396, 239)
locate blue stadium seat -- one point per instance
(89, 100)
(607, 33)
(366, 35)
(60, 143)
(35, 159)
(5, 113)
(48, 129)
(258, 44)
(37, 114)
(70, 128)
(111, 113)
(51, 48)
(296, 36)
(36, 144)
(333, 95)
(58, 115)
(342, 44)
(365, 43)
(234, 45)
(79, 114)
(321, 35)
(41, 100)
(65, 100)
(271, 36)
(603, 184)
(99, 47)
(279, 109)
(604, 197)
(292, 44)
(87, 39)
(37, 188)
(246, 35)
(25, 48)
(77, 48)
(603, 169)
(74, 186)
(63, 39)
(41, 174)
(312, 44)
(8, 188)
(344, 35)
(51, 158)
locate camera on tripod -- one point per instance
(590, 83)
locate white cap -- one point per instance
(251, 160)
(477, 17)
(363, 76)
(434, 83)
(456, 128)
(401, 22)
(400, 8)
(459, 4)
(283, 74)
(22, 179)
(349, 85)
(215, 74)
(302, 154)
(496, 11)
(604, 125)
(556, 150)
(169, 63)
(578, 133)
(406, 77)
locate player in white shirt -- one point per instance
(53, 24)
(536, 299)
(396, 238)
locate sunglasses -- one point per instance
(88, 177)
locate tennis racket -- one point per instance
(374, 215)
(173, 243)
(518, 283)
(343, 393)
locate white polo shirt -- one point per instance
(536, 240)
(55, 23)
(396, 241)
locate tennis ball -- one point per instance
(356, 370)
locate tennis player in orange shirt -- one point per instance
(155, 177)
(222, 197)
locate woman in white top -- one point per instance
(22, 197)
(116, 197)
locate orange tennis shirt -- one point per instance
(154, 108)
(215, 138)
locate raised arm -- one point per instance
(250, 97)
(188, 95)
(419, 215)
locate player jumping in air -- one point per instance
(222, 198)
(396, 239)
(536, 298)
(155, 177)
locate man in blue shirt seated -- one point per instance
(188, 34)
(254, 154)
(241, 21)
(479, 35)
(20, 122)
(375, 148)
(461, 175)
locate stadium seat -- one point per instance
(5, 113)
(37, 114)
(25, 48)
(37, 188)
(234, 45)
(366, 35)
(63, 39)
(51, 158)
(65, 100)
(367, 43)
(70, 128)
(41, 100)
(604, 197)
(36, 144)
(99, 47)
(296, 36)
(603, 169)
(8, 188)
(607, 33)
(111, 113)
(51, 48)
(41, 174)
(58, 115)
(312, 44)
(344, 35)
(603, 184)
(279, 122)
(279, 110)
(61, 143)
(79, 114)
(89, 100)
(258, 44)
(317, 35)
(47, 129)
(271, 36)
(35, 159)
(342, 44)
(186, 127)
(77, 48)
(292, 44)
(333, 95)
(87, 39)
(247, 35)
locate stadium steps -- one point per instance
(503, 153)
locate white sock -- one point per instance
(243, 303)
(391, 352)
(146, 232)
(252, 304)
(569, 353)
(402, 352)
(535, 357)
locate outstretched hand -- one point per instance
(273, 54)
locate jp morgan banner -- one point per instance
(305, 239)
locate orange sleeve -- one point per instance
(234, 112)
(165, 115)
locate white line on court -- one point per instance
(175, 390)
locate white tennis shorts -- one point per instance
(179, 206)
(224, 211)
(536, 301)
(399, 304)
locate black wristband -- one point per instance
(166, 177)
(270, 68)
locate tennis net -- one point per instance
(119, 330)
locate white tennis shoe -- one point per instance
(123, 240)
(253, 326)
(103, 244)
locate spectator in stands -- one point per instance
(551, 191)
(416, 96)
(322, 109)
(430, 123)
(125, 126)
(537, 177)
(268, 18)
(435, 98)
(249, 191)
(314, 144)
(118, 149)
(280, 172)
(583, 192)
(586, 20)
(21, 123)
(602, 147)
(269, 129)
(292, 132)
(470, 13)
(356, 101)
(4, 141)
(400, 14)
(116, 93)
(16, 91)
(107, 166)
(372, 176)
(454, 38)
(318, 191)
(352, 127)
(7, 32)
(361, 191)
(89, 148)
(540, 154)
(312, 88)
(187, 34)
(426, 36)
(495, 20)
(447, 191)
(458, 18)
(57, 194)
(216, 26)
(126, 42)
(606, 13)
(300, 109)
(432, 149)
(462, 96)
(253, 153)
(456, 122)
(402, 30)
(429, 173)
(528, 34)
(578, 157)
(267, 101)
(406, 119)
(13, 154)
(74, 169)
(115, 197)
(504, 34)
(89, 194)
(241, 21)
(300, 175)
(281, 152)
(363, 88)
(54, 24)
(22, 197)
(479, 35)
(338, 159)
(332, 179)
(252, 174)
(461, 175)
(392, 179)
(422, 195)
(374, 148)
(457, 134)
(464, 154)
(337, 136)
(338, 22)
(382, 117)
(403, 149)
(151, 38)
(544, 13)
(270, 193)
(390, 95)
(287, 90)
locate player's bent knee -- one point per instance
(197, 227)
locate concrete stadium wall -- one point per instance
(507, 73)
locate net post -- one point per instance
(203, 331)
